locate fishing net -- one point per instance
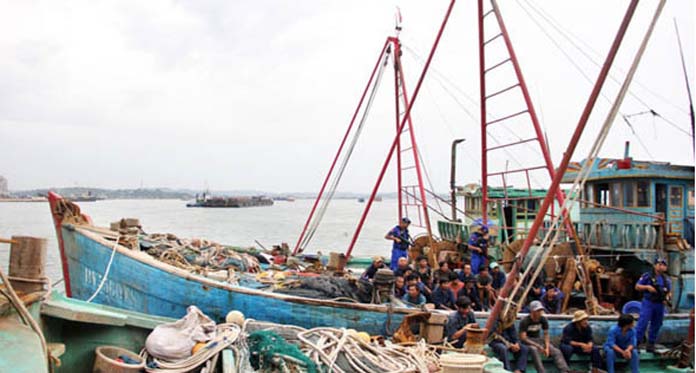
(268, 349)
(325, 287)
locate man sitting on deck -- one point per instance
(621, 341)
(552, 300)
(530, 334)
(402, 241)
(505, 343)
(442, 296)
(413, 296)
(485, 290)
(470, 291)
(577, 338)
(498, 277)
(457, 321)
(377, 263)
(402, 267)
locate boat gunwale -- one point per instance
(90, 232)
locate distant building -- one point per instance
(3, 187)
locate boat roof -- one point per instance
(607, 168)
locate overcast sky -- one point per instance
(257, 94)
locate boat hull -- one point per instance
(139, 283)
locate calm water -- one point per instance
(281, 222)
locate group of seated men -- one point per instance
(419, 284)
(534, 339)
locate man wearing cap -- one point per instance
(399, 234)
(656, 288)
(531, 328)
(498, 276)
(478, 245)
(577, 338)
(377, 263)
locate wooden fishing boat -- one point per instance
(138, 282)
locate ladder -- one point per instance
(410, 186)
(508, 89)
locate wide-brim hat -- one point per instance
(377, 258)
(580, 315)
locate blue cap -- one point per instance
(406, 220)
(660, 260)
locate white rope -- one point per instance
(106, 272)
(584, 172)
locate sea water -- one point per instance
(269, 225)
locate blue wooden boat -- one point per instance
(138, 282)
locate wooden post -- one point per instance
(27, 261)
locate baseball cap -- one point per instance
(661, 260)
(406, 220)
(535, 306)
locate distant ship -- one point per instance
(285, 198)
(86, 197)
(204, 200)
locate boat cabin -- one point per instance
(628, 204)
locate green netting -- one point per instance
(264, 345)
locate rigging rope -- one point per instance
(344, 162)
(584, 172)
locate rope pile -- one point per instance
(197, 255)
(343, 351)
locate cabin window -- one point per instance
(629, 194)
(601, 194)
(675, 196)
(616, 194)
(588, 196)
(643, 194)
(690, 198)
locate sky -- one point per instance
(240, 95)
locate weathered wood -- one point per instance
(27, 261)
(568, 281)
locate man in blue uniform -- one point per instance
(656, 288)
(399, 234)
(478, 245)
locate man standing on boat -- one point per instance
(656, 288)
(402, 241)
(478, 245)
(531, 328)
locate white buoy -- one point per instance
(235, 317)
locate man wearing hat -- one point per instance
(577, 338)
(656, 288)
(402, 241)
(377, 263)
(531, 328)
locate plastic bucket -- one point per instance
(106, 362)
(458, 362)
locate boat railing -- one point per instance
(627, 235)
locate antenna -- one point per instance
(686, 81)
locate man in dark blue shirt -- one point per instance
(656, 288)
(577, 338)
(498, 276)
(377, 263)
(402, 241)
(552, 300)
(457, 321)
(506, 343)
(442, 296)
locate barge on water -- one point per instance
(204, 200)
